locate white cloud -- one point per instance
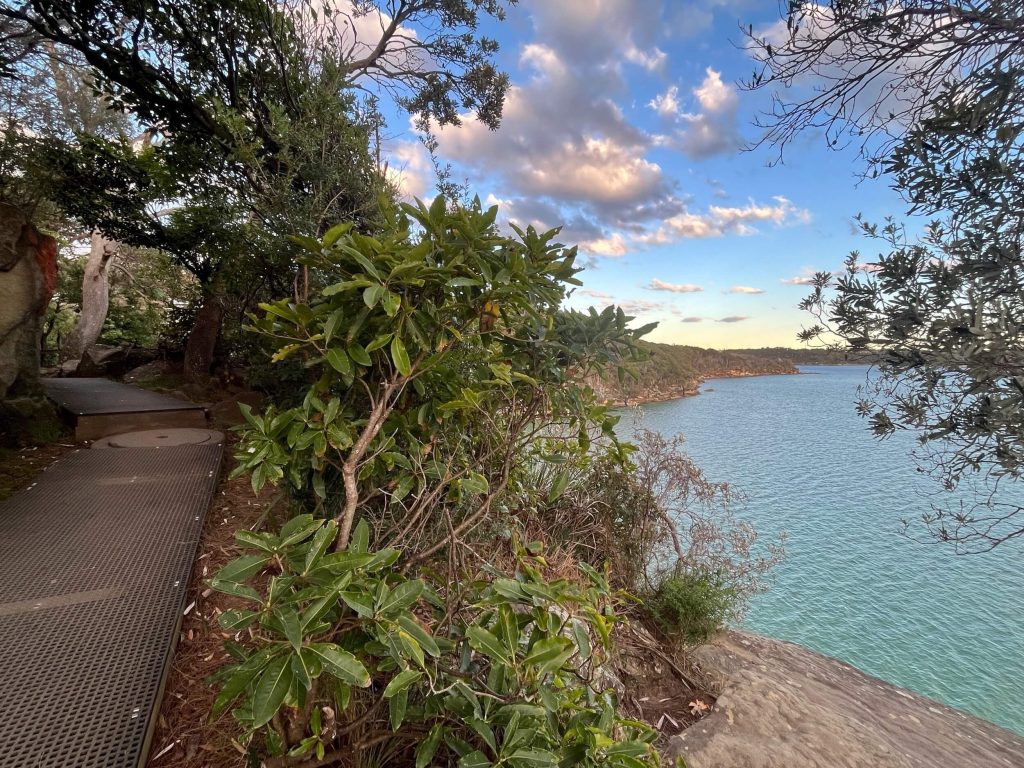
(409, 169)
(641, 306)
(594, 294)
(798, 280)
(713, 130)
(745, 289)
(613, 246)
(666, 104)
(723, 220)
(661, 285)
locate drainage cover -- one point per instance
(161, 438)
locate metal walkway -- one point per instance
(95, 559)
(100, 407)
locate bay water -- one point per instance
(946, 626)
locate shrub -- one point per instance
(337, 652)
(690, 606)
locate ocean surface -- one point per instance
(950, 627)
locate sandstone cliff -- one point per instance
(783, 706)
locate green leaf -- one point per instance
(332, 325)
(475, 759)
(579, 631)
(236, 589)
(391, 303)
(372, 295)
(237, 683)
(360, 602)
(358, 353)
(488, 644)
(400, 357)
(558, 487)
(341, 664)
(400, 597)
(397, 706)
(339, 360)
(532, 758)
(549, 654)
(242, 568)
(271, 690)
(335, 232)
(360, 540)
(237, 619)
(401, 682)
(421, 635)
(290, 625)
(428, 747)
(379, 343)
(321, 541)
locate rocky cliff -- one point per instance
(782, 706)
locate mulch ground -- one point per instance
(19, 467)
(185, 737)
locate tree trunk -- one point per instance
(95, 296)
(202, 341)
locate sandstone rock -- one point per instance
(28, 273)
(783, 706)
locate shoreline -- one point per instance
(694, 390)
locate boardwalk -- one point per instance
(99, 407)
(95, 559)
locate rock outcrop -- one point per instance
(783, 706)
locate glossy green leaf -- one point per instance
(400, 357)
(271, 690)
(341, 664)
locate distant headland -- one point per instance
(673, 371)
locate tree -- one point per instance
(259, 131)
(934, 93)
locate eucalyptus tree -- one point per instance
(932, 93)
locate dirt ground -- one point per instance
(19, 467)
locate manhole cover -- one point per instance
(161, 438)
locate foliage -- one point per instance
(446, 372)
(942, 310)
(343, 647)
(690, 606)
(658, 514)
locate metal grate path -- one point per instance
(94, 565)
(86, 397)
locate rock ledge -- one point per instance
(783, 706)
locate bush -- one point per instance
(690, 606)
(340, 651)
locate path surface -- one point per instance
(783, 706)
(100, 407)
(95, 559)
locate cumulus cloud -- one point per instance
(666, 104)
(661, 285)
(723, 220)
(746, 289)
(798, 280)
(712, 129)
(734, 319)
(409, 169)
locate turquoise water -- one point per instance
(949, 627)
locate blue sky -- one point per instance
(625, 125)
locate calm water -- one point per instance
(949, 627)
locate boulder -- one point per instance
(112, 362)
(783, 706)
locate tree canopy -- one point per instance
(933, 95)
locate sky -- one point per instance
(625, 125)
